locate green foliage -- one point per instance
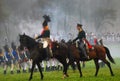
(88, 74)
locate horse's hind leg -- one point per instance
(108, 64)
(33, 66)
(97, 66)
(40, 70)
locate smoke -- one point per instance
(25, 16)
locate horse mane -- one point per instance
(30, 41)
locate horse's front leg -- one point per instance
(65, 66)
(97, 66)
(79, 67)
(40, 70)
(32, 69)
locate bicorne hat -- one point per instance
(79, 25)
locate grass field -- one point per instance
(88, 74)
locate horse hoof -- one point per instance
(30, 79)
(80, 75)
(112, 75)
(41, 77)
(64, 76)
(67, 75)
(95, 75)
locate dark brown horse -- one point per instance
(38, 53)
(61, 50)
(98, 53)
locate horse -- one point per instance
(61, 52)
(38, 54)
(98, 53)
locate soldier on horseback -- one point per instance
(82, 37)
(45, 35)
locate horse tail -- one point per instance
(109, 55)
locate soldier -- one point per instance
(81, 36)
(45, 35)
(1, 57)
(16, 57)
(8, 59)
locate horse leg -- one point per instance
(79, 68)
(97, 66)
(40, 70)
(65, 66)
(108, 64)
(33, 66)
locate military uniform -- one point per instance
(1, 56)
(81, 36)
(45, 35)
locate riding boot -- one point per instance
(85, 54)
(47, 53)
(82, 47)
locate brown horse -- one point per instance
(61, 53)
(98, 53)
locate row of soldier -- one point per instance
(19, 60)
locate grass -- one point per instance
(88, 74)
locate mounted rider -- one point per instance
(45, 35)
(82, 40)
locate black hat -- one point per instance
(45, 23)
(79, 25)
(47, 18)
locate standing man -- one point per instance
(81, 36)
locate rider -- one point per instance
(46, 31)
(81, 36)
(45, 35)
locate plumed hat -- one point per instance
(46, 20)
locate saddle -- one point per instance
(86, 47)
(45, 45)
